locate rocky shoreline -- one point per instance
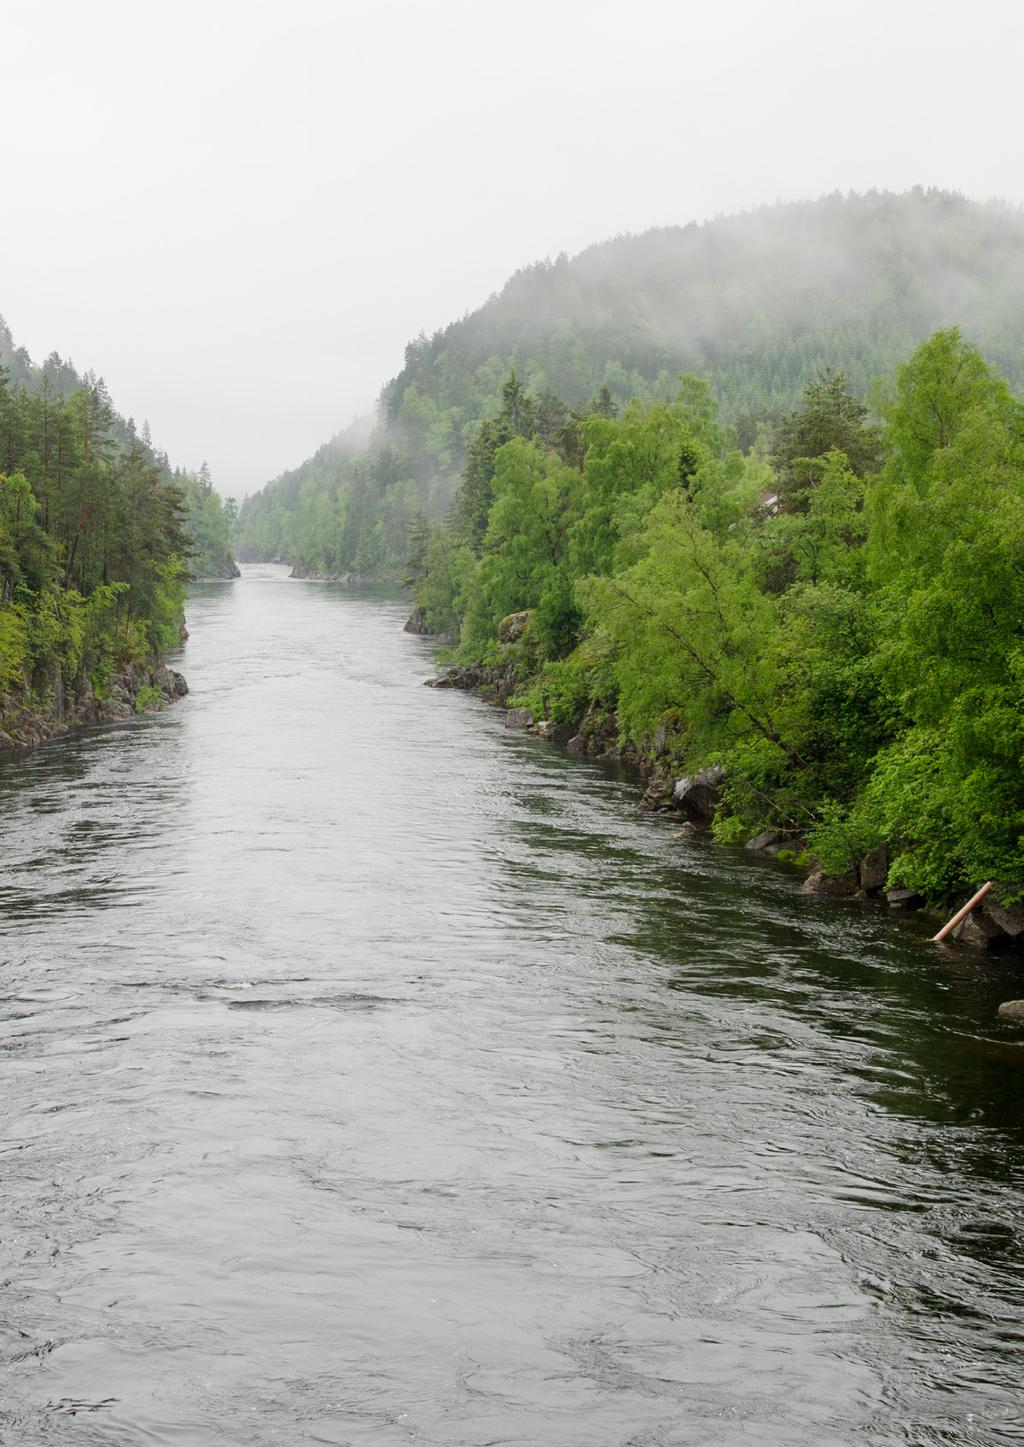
(694, 798)
(27, 721)
(299, 570)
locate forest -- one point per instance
(745, 495)
(833, 618)
(759, 305)
(98, 538)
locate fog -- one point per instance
(239, 217)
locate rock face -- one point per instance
(137, 689)
(874, 870)
(1009, 917)
(698, 795)
(417, 622)
(980, 932)
(513, 626)
(459, 678)
(597, 735)
(310, 575)
(903, 898)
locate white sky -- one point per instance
(238, 215)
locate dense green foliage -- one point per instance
(94, 531)
(850, 649)
(210, 523)
(761, 305)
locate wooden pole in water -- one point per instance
(961, 914)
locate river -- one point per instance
(372, 1074)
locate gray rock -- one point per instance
(513, 626)
(518, 718)
(902, 898)
(766, 843)
(833, 886)
(1009, 917)
(458, 678)
(698, 794)
(115, 710)
(978, 931)
(417, 622)
(1012, 1010)
(874, 869)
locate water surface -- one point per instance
(374, 1075)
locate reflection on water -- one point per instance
(373, 1075)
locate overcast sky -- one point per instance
(238, 215)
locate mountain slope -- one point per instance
(759, 304)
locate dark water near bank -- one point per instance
(372, 1075)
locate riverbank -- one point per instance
(27, 720)
(310, 575)
(694, 798)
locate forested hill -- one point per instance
(95, 549)
(56, 381)
(758, 304)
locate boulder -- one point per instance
(659, 795)
(458, 678)
(978, 931)
(115, 710)
(833, 886)
(1009, 917)
(513, 626)
(1012, 1010)
(698, 794)
(874, 869)
(768, 843)
(903, 898)
(519, 718)
(417, 622)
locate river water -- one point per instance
(374, 1075)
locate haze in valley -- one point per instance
(239, 218)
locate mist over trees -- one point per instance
(760, 305)
(748, 494)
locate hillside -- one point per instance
(96, 546)
(758, 304)
(207, 523)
